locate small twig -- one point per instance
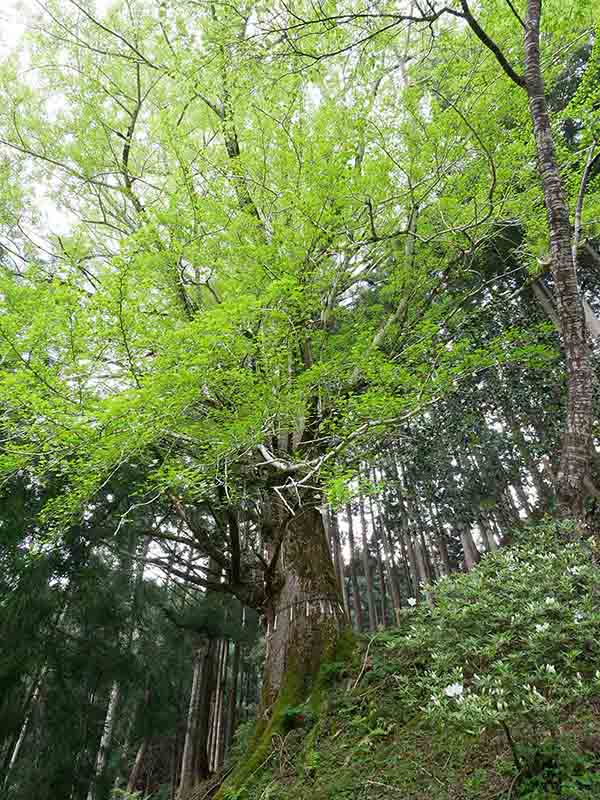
(364, 664)
(512, 785)
(589, 165)
(385, 785)
(513, 746)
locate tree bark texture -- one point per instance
(304, 613)
(368, 572)
(358, 617)
(576, 445)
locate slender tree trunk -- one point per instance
(421, 564)
(217, 733)
(368, 573)
(207, 687)
(358, 617)
(487, 535)
(31, 704)
(137, 766)
(414, 568)
(232, 700)
(472, 556)
(392, 572)
(187, 775)
(442, 541)
(339, 559)
(381, 574)
(105, 740)
(576, 446)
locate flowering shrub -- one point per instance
(510, 646)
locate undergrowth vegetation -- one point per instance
(491, 692)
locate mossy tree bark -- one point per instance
(304, 612)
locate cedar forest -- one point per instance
(299, 478)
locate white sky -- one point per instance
(14, 15)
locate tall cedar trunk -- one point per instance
(201, 754)
(339, 560)
(304, 613)
(487, 535)
(392, 572)
(405, 562)
(523, 499)
(381, 574)
(414, 569)
(232, 700)
(216, 727)
(187, 774)
(137, 766)
(422, 567)
(105, 740)
(427, 559)
(29, 709)
(358, 617)
(471, 553)
(576, 446)
(377, 535)
(441, 541)
(366, 560)
(543, 491)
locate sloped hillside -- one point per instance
(492, 692)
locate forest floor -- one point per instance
(493, 693)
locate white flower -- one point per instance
(454, 690)
(412, 601)
(578, 616)
(550, 601)
(543, 627)
(550, 668)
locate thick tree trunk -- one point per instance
(304, 612)
(576, 446)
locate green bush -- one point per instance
(510, 646)
(555, 769)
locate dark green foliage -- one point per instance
(557, 769)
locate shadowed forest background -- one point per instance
(299, 479)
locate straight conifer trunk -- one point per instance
(137, 766)
(105, 740)
(232, 700)
(339, 560)
(367, 567)
(358, 617)
(187, 775)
